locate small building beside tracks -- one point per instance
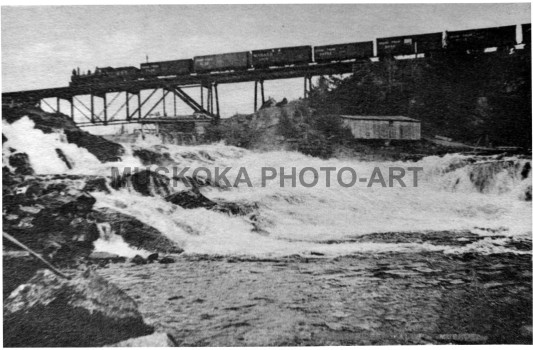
(382, 127)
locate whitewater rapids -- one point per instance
(454, 193)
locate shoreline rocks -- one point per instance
(88, 311)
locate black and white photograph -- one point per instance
(266, 175)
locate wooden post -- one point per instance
(92, 108)
(72, 108)
(164, 103)
(175, 111)
(58, 109)
(209, 100)
(139, 101)
(255, 96)
(216, 99)
(212, 100)
(262, 92)
(127, 105)
(305, 87)
(105, 108)
(202, 95)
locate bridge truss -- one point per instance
(165, 88)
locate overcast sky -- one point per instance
(41, 45)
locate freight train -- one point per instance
(427, 44)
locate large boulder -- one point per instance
(136, 233)
(87, 311)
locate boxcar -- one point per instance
(125, 72)
(409, 44)
(222, 62)
(282, 56)
(177, 67)
(463, 40)
(526, 34)
(340, 52)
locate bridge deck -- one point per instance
(187, 80)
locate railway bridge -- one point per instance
(163, 89)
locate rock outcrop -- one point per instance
(88, 311)
(55, 216)
(136, 233)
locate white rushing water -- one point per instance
(486, 198)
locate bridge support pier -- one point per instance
(165, 92)
(261, 83)
(71, 100)
(308, 86)
(105, 108)
(92, 109)
(217, 116)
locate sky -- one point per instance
(41, 45)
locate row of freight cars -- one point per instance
(475, 39)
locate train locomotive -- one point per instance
(464, 41)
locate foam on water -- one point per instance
(41, 149)
(115, 244)
(454, 193)
(298, 220)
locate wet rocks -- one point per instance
(51, 217)
(136, 233)
(234, 208)
(138, 260)
(149, 157)
(104, 258)
(96, 184)
(191, 199)
(21, 163)
(167, 260)
(152, 257)
(145, 182)
(49, 311)
(104, 150)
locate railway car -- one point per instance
(477, 39)
(526, 34)
(177, 67)
(282, 56)
(341, 52)
(409, 44)
(222, 62)
(124, 73)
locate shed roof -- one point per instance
(380, 118)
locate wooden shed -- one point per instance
(382, 127)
